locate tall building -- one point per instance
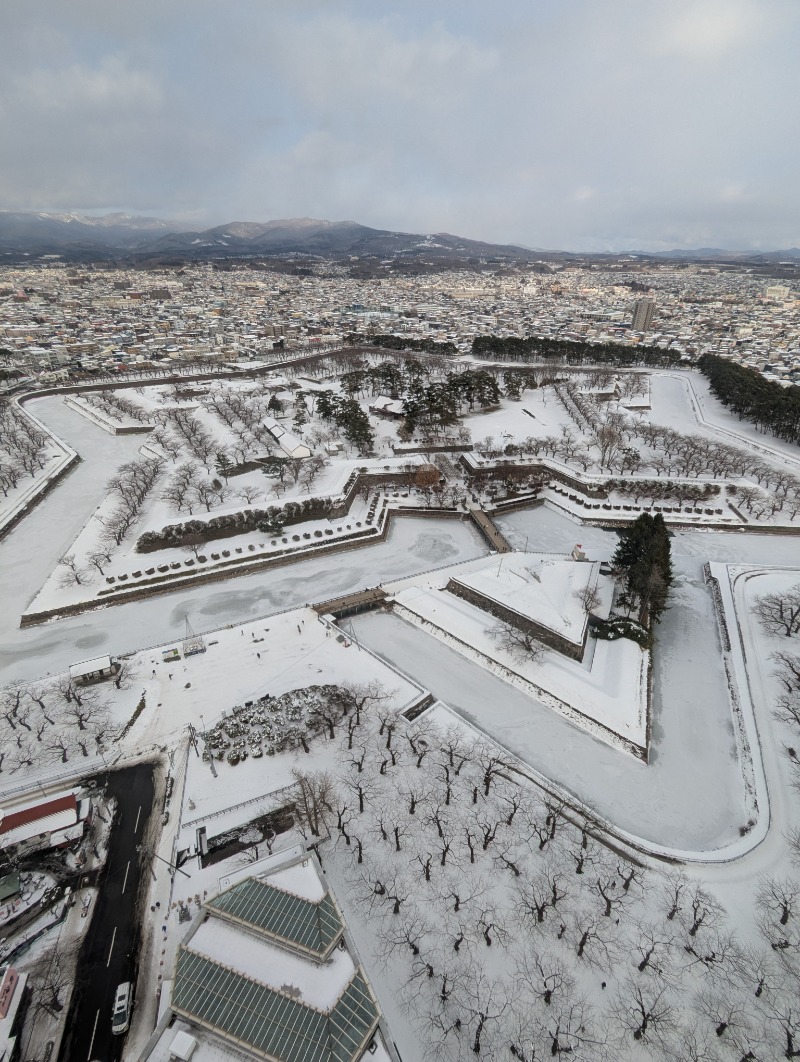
(642, 315)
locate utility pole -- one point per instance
(144, 849)
(193, 739)
(209, 751)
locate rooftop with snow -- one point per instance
(259, 970)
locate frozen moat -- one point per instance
(32, 550)
(690, 793)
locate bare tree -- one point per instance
(588, 596)
(653, 950)
(59, 745)
(411, 933)
(571, 1032)
(787, 705)
(100, 557)
(73, 574)
(196, 549)
(593, 937)
(493, 765)
(778, 916)
(544, 975)
(249, 494)
(520, 643)
(316, 794)
(645, 1011)
(788, 670)
(729, 1012)
(50, 976)
(780, 613)
(675, 892)
(542, 891)
(701, 911)
(206, 493)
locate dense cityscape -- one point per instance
(57, 320)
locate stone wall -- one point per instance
(523, 623)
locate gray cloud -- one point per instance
(612, 124)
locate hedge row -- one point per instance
(270, 521)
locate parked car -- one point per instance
(123, 1004)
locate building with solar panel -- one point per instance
(265, 972)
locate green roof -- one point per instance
(313, 927)
(267, 1022)
(9, 886)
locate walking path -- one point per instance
(488, 528)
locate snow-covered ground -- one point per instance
(30, 553)
(538, 587)
(709, 763)
(684, 401)
(55, 457)
(684, 798)
(608, 687)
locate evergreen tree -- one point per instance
(643, 555)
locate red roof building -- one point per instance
(37, 822)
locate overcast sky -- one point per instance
(576, 124)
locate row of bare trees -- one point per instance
(512, 930)
(116, 406)
(187, 489)
(23, 447)
(243, 413)
(126, 492)
(192, 433)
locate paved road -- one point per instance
(108, 955)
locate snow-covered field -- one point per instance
(718, 793)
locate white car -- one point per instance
(123, 1004)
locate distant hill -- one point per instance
(719, 254)
(77, 235)
(41, 233)
(123, 236)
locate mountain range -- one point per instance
(78, 235)
(82, 237)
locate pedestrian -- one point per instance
(258, 655)
(170, 674)
(154, 671)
